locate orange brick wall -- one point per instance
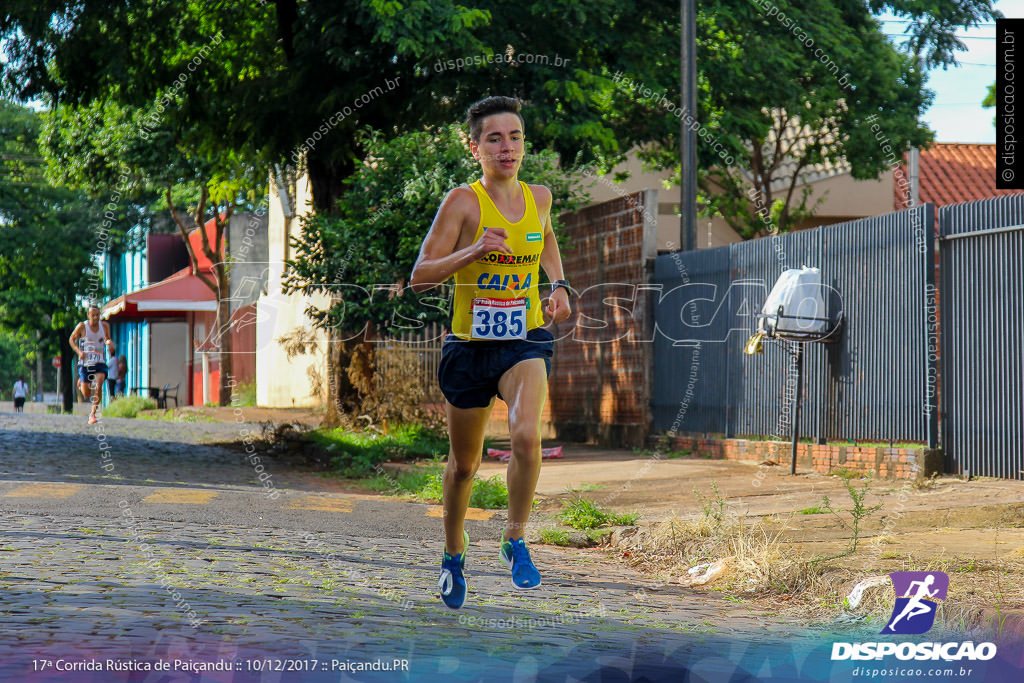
(882, 462)
(599, 386)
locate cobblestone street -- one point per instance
(176, 554)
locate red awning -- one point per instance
(179, 293)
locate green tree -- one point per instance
(990, 100)
(303, 63)
(787, 86)
(362, 253)
(282, 71)
(48, 244)
(16, 357)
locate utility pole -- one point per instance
(687, 134)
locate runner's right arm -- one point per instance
(74, 341)
(439, 257)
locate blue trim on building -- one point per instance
(128, 273)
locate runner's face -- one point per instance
(94, 317)
(501, 146)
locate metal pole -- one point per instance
(799, 360)
(687, 134)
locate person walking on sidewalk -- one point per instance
(122, 375)
(20, 392)
(115, 385)
(492, 236)
(92, 370)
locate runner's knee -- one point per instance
(463, 472)
(526, 443)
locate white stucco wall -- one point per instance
(283, 381)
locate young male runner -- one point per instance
(492, 236)
(92, 369)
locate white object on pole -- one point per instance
(799, 293)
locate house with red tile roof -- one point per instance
(951, 173)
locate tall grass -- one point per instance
(128, 406)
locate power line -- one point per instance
(911, 21)
(961, 37)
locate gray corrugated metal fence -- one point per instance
(871, 386)
(910, 303)
(980, 314)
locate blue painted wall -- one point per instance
(124, 274)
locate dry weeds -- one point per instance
(766, 570)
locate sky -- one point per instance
(957, 114)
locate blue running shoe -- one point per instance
(452, 583)
(516, 557)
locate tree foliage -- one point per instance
(787, 88)
(273, 77)
(17, 355)
(283, 71)
(49, 243)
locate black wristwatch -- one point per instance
(555, 284)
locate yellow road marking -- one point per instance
(45, 491)
(471, 513)
(320, 502)
(181, 496)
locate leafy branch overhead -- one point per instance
(269, 75)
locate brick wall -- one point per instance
(600, 378)
(878, 461)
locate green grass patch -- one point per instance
(626, 519)
(554, 537)
(426, 484)
(244, 394)
(662, 453)
(490, 493)
(356, 454)
(561, 536)
(584, 514)
(814, 510)
(128, 406)
(595, 535)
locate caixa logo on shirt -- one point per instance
(918, 595)
(495, 281)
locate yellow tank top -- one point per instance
(496, 296)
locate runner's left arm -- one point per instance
(558, 308)
(109, 342)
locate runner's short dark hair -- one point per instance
(487, 107)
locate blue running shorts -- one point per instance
(469, 370)
(86, 372)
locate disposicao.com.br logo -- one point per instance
(917, 598)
